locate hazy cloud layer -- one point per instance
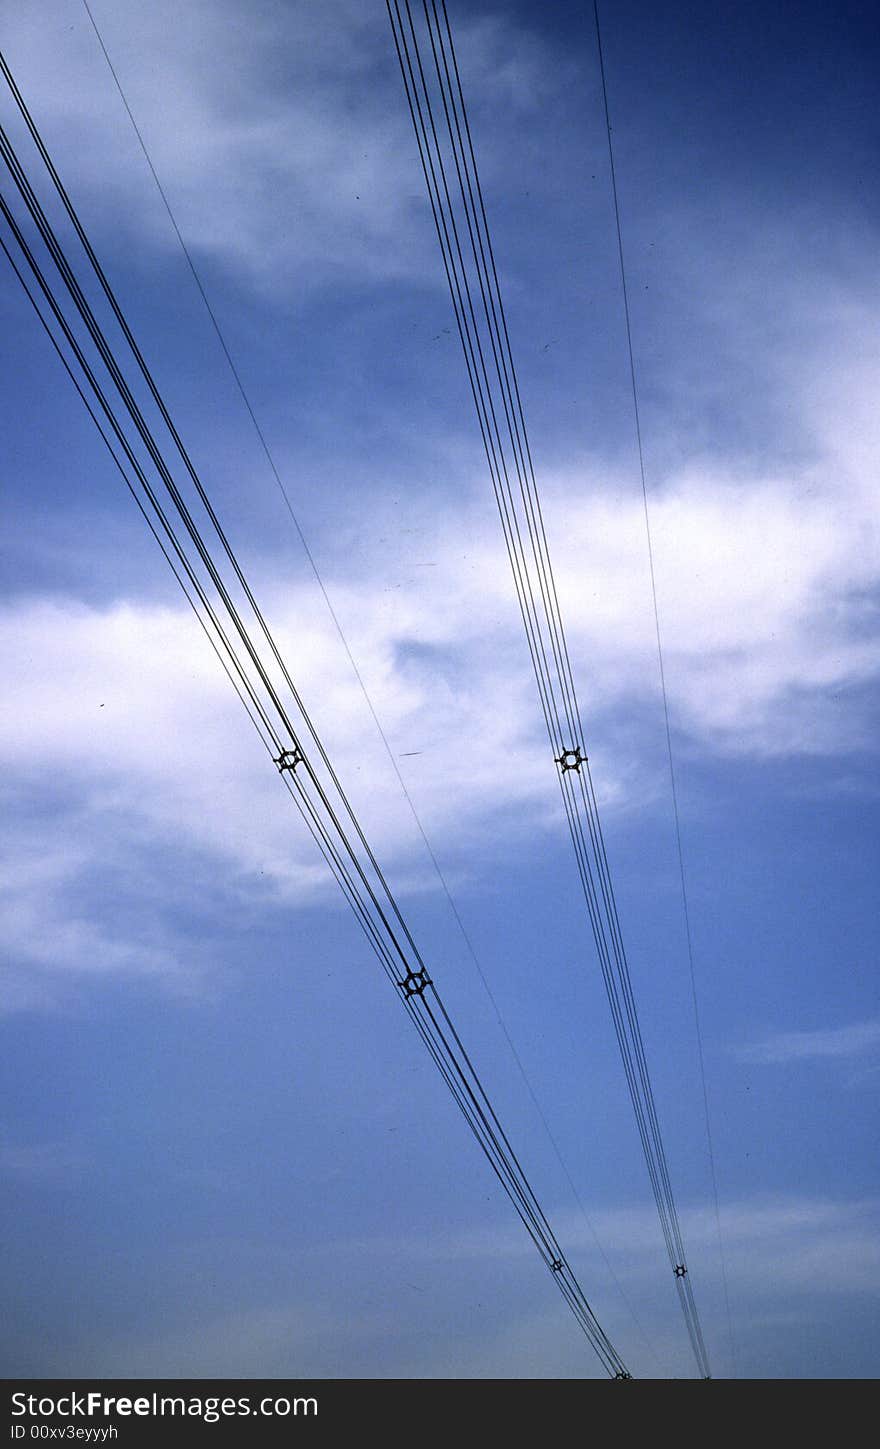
(294, 172)
(793, 1264)
(807, 1046)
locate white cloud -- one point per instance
(129, 700)
(124, 711)
(766, 579)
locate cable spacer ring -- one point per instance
(571, 759)
(289, 759)
(414, 983)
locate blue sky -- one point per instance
(222, 1151)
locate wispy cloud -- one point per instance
(69, 910)
(804, 1046)
(801, 1265)
(782, 1236)
(280, 154)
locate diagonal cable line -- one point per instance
(448, 157)
(310, 779)
(267, 452)
(663, 689)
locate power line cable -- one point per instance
(470, 1097)
(663, 689)
(358, 675)
(488, 356)
(351, 860)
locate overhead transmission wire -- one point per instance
(484, 1122)
(267, 452)
(663, 690)
(312, 784)
(472, 277)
